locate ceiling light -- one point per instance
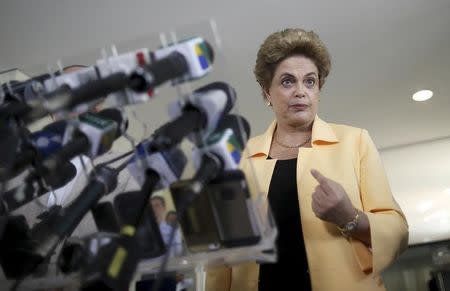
(422, 95)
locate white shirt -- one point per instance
(165, 230)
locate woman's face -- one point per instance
(294, 91)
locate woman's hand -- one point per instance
(330, 202)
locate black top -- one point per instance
(290, 272)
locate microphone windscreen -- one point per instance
(222, 86)
(173, 66)
(66, 172)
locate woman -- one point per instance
(338, 223)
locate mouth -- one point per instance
(299, 106)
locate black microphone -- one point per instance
(202, 110)
(26, 90)
(32, 148)
(105, 217)
(133, 244)
(32, 188)
(49, 232)
(94, 136)
(239, 125)
(141, 80)
(186, 60)
(216, 198)
(180, 61)
(222, 149)
(143, 220)
(221, 152)
(19, 94)
(140, 234)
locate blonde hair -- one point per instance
(285, 43)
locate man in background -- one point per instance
(169, 283)
(158, 204)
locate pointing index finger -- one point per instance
(318, 176)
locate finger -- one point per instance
(318, 176)
(324, 182)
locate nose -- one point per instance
(300, 90)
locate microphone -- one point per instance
(197, 52)
(31, 188)
(226, 143)
(30, 149)
(140, 235)
(28, 89)
(49, 139)
(72, 80)
(94, 136)
(202, 110)
(125, 63)
(239, 125)
(142, 80)
(184, 61)
(21, 97)
(47, 234)
(218, 193)
(46, 94)
(221, 152)
(180, 62)
(158, 171)
(139, 238)
(187, 60)
(169, 164)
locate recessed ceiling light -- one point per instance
(422, 95)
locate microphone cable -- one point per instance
(115, 159)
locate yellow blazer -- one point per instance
(348, 156)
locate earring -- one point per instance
(269, 104)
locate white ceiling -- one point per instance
(382, 52)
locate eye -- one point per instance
(287, 83)
(310, 82)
